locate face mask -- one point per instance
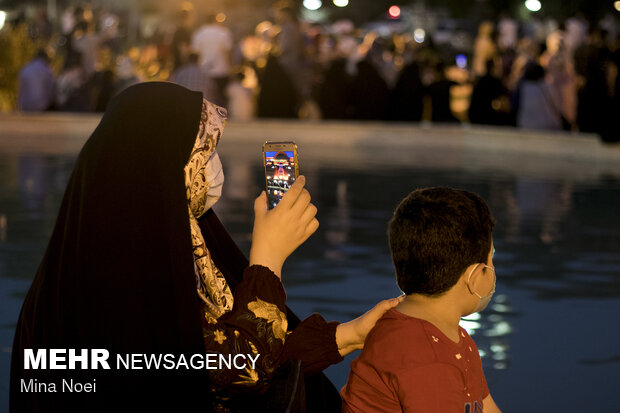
(215, 178)
(203, 171)
(483, 301)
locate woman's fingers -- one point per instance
(351, 335)
(369, 318)
(375, 313)
(308, 221)
(278, 232)
(385, 305)
(293, 193)
(308, 214)
(312, 227)
(301, 203)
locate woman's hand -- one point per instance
(350, 336)
(278, 232)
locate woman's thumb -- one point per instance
(385, 305)
(260, 204)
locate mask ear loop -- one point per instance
(469, 278)
(494, 275)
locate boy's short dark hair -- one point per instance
(434, 235)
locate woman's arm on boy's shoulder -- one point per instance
(489, 405)
(350, 336)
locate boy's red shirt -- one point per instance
(409, 365)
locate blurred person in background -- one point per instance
(507, 38)
(289, 47)
(193, 77)
(561, 77)
(241, 97)
(528, 53)
(41, 28)
(370, 92)
(591, 64)
(102, 88)
(537, 107)
(67, 21)
(386, 64)
(407, 98)
(72, 93)
(489, 99)
(109, 23)
(36, 84)
(484, 48)
(318, 51)
(125, 74)
(278, 96)
(102, 82)
(86, 41)
(575, 33)
(508, 33)
(213, 42)
(182, 38)
(336, 88)
(439, 91)
(612, 134)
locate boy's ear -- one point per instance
(472, 277)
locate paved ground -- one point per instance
(352, 143)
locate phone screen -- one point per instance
(280, 174)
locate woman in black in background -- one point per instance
(440, 96)
(407, 97)
(139, 263)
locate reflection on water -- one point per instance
(557, 241)
(490, 330)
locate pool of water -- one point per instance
(549, 339)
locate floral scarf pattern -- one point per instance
(210, 282)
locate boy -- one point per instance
(417, 358)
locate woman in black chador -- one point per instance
(139, 263)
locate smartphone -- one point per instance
(281, 169)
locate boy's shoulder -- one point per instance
(399, 339)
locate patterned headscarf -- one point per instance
(203, 181)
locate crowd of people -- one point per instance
(562, 77)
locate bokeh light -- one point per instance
(312, 4)
(419, 35)
(2, 19)
(394, 12)
(461, 61)
(341, 3)
(533, 5)
(617, 5)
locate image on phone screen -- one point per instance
(280, 173)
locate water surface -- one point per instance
(549, 339)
